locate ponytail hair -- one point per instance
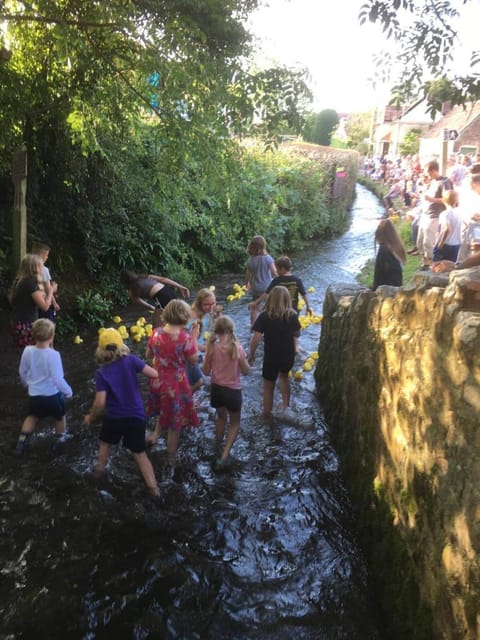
(225, 326)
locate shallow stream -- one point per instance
(264, 551)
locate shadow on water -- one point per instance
(265, 550)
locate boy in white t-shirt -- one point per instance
(41, 370)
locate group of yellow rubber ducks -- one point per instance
(143, 329)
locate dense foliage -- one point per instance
(133, 115)
(319, 127)
(426, 34)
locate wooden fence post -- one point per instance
(19, 226)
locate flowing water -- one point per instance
(264, 551)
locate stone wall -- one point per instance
(399, 380)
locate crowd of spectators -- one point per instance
(444, 210)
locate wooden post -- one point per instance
(19, 178)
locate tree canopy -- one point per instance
(130, 111)
(427, 36)
(319, 127)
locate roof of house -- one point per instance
(457, 119)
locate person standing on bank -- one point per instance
(390, 256)
(26, 297)
(429, 220)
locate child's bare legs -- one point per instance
(147, 472)
(60, 426)
(154, 435)
(220, 425)
(102, 459)
(26, 431)
(232, 434)
(29, 424)
(173, 439)
(268, 389)
(284, 386)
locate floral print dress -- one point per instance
(170, 397)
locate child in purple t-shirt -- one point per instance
(118, 398)
(224, 361)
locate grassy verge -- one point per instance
(412, 264)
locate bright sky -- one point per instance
(326, 37)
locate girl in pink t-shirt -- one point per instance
(224, 360)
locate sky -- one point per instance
(326, 37)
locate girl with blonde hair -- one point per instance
(119, 401)
(280, 326)
(205, 310)
(224, 361)
(170, 397)
(26, 297)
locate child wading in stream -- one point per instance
(171, 347)
(118, 398)
(224, 361)
(41, 370)
(280, 327)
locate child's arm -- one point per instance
(207, 362)
(143, 302)
(184, 291)
(149, 371)
(194, 332)
(57, 375)
(256, 336)
(273, 270)
(308, 308)
(244, 366)
(97, 409)
(256, 303)
(248, 275)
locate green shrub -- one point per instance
(92, 308)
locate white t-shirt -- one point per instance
(452, 218)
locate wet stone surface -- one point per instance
(263, 550)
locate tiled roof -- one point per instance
(457, 118)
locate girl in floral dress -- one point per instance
(171, 347)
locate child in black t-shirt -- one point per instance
(286, 279)
(280, 326)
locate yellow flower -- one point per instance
(212, 287)
(117, 319)
(298, 375)
(311, 289)
(78, 340)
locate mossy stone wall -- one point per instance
(399, 380)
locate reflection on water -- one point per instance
(264, 551)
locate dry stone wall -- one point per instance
(399, 380)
